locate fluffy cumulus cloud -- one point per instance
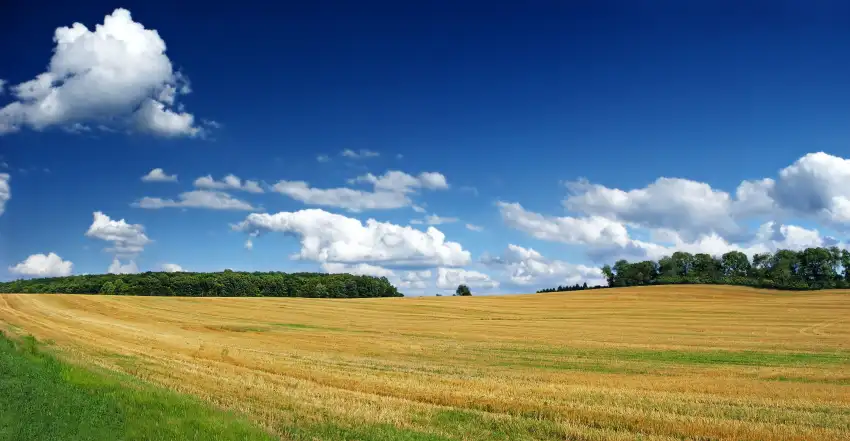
(115, 76)
(689, 207)
(450, 278)
(171, 268)
(593, 230)
(159, 175)
(213, 200)
(41, 265)
(230, 182)
(415, 280)
(817, 185)
(683, 215)
(5, 191)
(527, 267)
(329, 237)
(126, 239)
(116, 267)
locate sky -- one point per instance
(510, 148)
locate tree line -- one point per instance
(220, 284)
(575, 287)
(812, 268)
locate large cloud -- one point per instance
(213, 200)
(40, 265)
(592, 230)
(527, 267)
(116, 76)
(606, 240)
(230, 182)
(5, 191)
(329, 237)
(126, 239)
(689, 207)
(818, 184)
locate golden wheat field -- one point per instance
(660, 363)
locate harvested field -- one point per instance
(653, 363)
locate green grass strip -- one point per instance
(43, 398)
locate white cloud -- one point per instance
(127, 239)
(363, 153)
(40, 265)
(155, 118)
(401, 182)
(213, 200)
(433, 219)
(527, 267)
(117, 75)
(450, 278)
(172, 268)
(689, 207)
(3, 86)
(818, 184)
(5, 191)
(390, 191)
(230, 182)
(329, 237)
(359, 269)
(158, 175)
(403, 280)
(473, 227)
(346, 198)
(117, 268)
(593, 230)
(418, 209)
(415, 280)
(323, 158)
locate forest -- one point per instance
(221, 284)
(812, 268)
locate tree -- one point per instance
(463, 290)
(609, 274)
(735, 264)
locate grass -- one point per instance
(661, 363)
(47, 399)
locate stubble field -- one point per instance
(659, 363)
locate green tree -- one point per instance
(463, 290)
(735, 264)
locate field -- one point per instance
(654, 363)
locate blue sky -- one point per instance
(507, 104)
